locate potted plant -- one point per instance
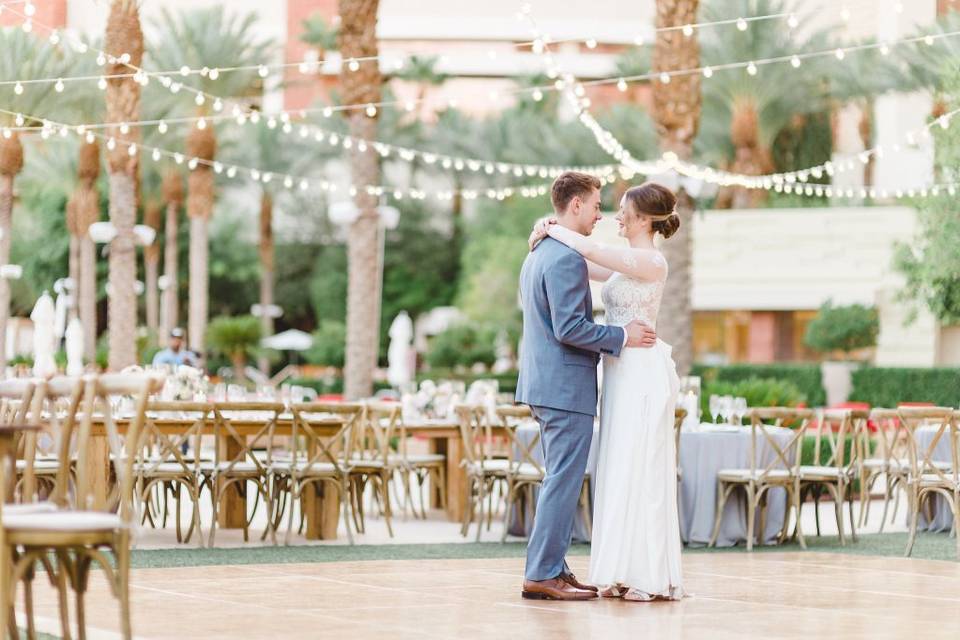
(841, 333)
(236, 338)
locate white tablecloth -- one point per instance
(942, 516)
(703, 452)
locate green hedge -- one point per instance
(888, 387)
(806, 377)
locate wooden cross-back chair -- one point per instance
(165, 465)
(525, 470)
(840, 432)
(421, 467)
(486, 460)
(927, 476)
(372, 460)
(885, 455)
(240, 429)
(79, 536)
(318, 455)
(782, 471)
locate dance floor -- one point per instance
(735, 595)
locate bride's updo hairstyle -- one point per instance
(658, 202)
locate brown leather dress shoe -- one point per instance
(571, 580)
(555, 589)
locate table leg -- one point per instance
(322, 508)
(437, 446)
(456, 480)
(232, 511)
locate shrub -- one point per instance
(235, 337)
(888, 387)
(806, 377)
(759, 392)
(329, 345)
(845, 328)
(463, 345)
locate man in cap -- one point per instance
(175, 354)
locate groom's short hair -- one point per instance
(569, 185)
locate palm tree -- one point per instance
(123, 42)
(358, 39)
(676, 111)
(22, 56)
(422, 71)
(172, 194)
(320, 35)
(83, 209)
(211, 38)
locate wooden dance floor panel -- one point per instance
(735, 596)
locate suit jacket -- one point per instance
(561, 344)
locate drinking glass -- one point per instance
(714, 407)
(740, 408)
(726, 408)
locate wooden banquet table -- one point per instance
(322, 511)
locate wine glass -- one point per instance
(726, 408)
(740, 408)
(714, 407)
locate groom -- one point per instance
(558, 379)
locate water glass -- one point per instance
(714, 407)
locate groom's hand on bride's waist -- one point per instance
(640, 335)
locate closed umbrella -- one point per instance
(44, 338)
(400, 371)
(74, 347)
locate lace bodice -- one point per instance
(626, 299)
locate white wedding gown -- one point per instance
(636, 536)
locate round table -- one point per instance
(704, 451)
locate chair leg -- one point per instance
(751, 515)
(385, 497)
(723, 492)
(853, 523)
(294, 497)
(896, 502)
(886, 501)
(80, 588)
(482, 484)
(122, 552)
(795, 500)
(28, 576)
(214, 486)
(344, 500)
(508, 511)
(914, 512)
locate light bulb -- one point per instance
(184, 70)
(795, 61)
(665, 78)
(928, 40)
(199, 99)
(124, 128)
(58, 87)
(353, 65)
(29, 9)
(884, 49)
(178, 158)
(155, 155)
(18, 89)
(90, 137)
(132, 150)
(162, 127)
(231, 172)
(707, 72)
(201, 124)
(741, 24)
(20, 120)
(688, 30)
(622, 84)
(327, 112)
(537, 95)
(263, 71)
(752, 69)
(371, 111)
(192, 164)
(102, 84)
(591, 43)
(27, 26)
(55, 38)
(840, 54)
(111, 144)
(175, 87)
(218, 105)
(214, 73)
(792, 21)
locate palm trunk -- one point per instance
(358, 39)
(171, 295)
(122, 301)
(199, 283)
(87, 297)
(73, 271)
(201, 143)
(123, 36)
(11, 162)
(677, 114)
(151, 267)
(266, 272)
(6, 230)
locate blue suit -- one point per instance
(558, 379)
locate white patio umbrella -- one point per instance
(74, 347)
(44, 338)
(400, 371)
(289, 340)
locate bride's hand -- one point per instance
(540, 229)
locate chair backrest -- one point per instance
(323, 433)
(927, 458)
(372, 437)
(240, 428)
(54, 409)
(476, 433)
(163, 445)
(522, 447)
(120, 400)
(838, 437)
(890, 435)
(766, 432)
(16, 396)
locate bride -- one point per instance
(635, 552)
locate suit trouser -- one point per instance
(565, 437)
